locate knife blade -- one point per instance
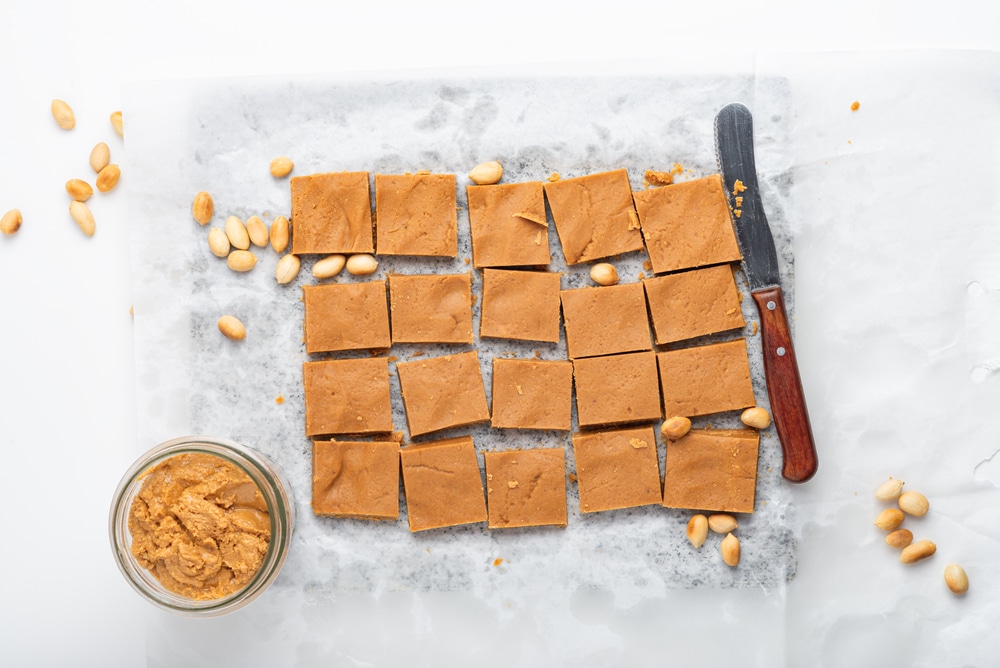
(735, 150)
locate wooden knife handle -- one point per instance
(784, 387)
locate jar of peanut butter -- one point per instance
(200, 526)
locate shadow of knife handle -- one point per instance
(784, 387)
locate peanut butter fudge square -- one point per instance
(442, 484)
(526, 488)
(347, 396)
(442, 392)
(508, 225)
(332, 213)
(605, 320)
(693, 303)
(617, 469)
(687, 224)
(706, 379)
(416, 214)
(712, 469)
(346, 316)
(431, 308)
(520, 305)
(357, 479)
(532, 394)
(616, 389)
(594, 216)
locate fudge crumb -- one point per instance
(739, 201)
(633, 220)
(678, 169)
(553, 177)
(572, 477)
(279, 400)
(512, 484)
(855, 105)
(658, 178)
(738, 187)
(519, 390)
(531, 218)
(638, 443)
(497, 561)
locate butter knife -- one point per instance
(734, 148)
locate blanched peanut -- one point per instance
(917, 551)
(956, 579)
(889, 490)
(604, 273)
(697, 530)
(329, 266)
(889, 519)
(899, 538)
(675, 427)
(361, 265)
(232, 328)
(722, 523)
(913, 503)
(756, 417)
(486, 174)
(730, 549)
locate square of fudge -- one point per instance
(348, 396)
(357, 479)
(532, 394)
(442, 392)
(332, 213)
(605, 320)
(594, 216)
(693, 303)
(687, 224)
(442, 484)
(346, 316)
(431, 308)
(616, 389)
(508, 225)
(520, 305)
(416, 214)
(706, 379)
(617, 469)
(712, 469)
(526, 488)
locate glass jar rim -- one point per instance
(265, 475)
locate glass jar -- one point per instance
(273, 487)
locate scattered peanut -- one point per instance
(675, 427)
(237, 233)
(722, 523)
(116, 123)
(241, 260)
(329, 266)
(11, 222)
(108, 177)
(279, 234)
(100, 157)
(730, 548)
(281, 167)
(917, 551)
(287, 270)
(697, 530)
(486, 174)
(232, 328)
(889, 519)
(956, 578)
(257, 231)
(79, 190)
(218, 242)
(913, 503)
(63, 114)
(361, 265)
(889, 490)
(202, 208)
(603, 273)
(899, 538)
(756, 417)
(83, 217)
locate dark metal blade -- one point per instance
(734, 148)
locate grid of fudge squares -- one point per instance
(442, 484)
(431, 308)
(712, 469)
(332, 213)
(526, 488)
(687, 225)
(693, 303)
(416, 214)
(508, 226)
(617, 469)
(358, 479)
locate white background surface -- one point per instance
(891, 374)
